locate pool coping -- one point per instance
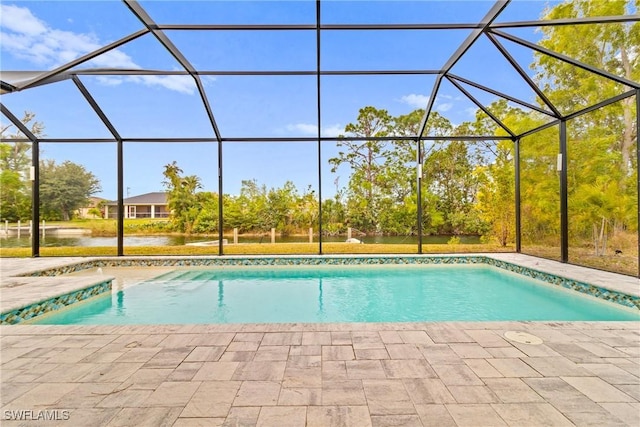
(64, 293)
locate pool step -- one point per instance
(184, 275)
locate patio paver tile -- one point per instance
(216, 371)
(487, 338)
(457, 375)
(415, 337)
(475, 416)
(470, 351)
(334, 370)
(408, 368)
(629, 413)
(316, 338)
(278, 416)
(338, 416)
(260, 371)
(257, 393)
(300, 396)
(611, 373)
(145, 417)
(440, 354)
(473, 394)
(282, 338)
(427, 390)
(343, 392)
(556, 366)
(364, 369)
(403, 351)
(512, 390)
(435, 415)
(482, 368)
(371, 353)
(531, 414)
(198, 422)
(387, 397)
(396, 421)
(242, 416)
(211, 400)
(598, 390)
(176, 393)
(337, 352)
(513, 368)
(272, 353)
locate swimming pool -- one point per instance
(344, 294)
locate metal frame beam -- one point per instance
(142, 15)
(7, 87)
(129, 72)
(501, 95)
(269, 139)
(319, 121)
(51, 74)
(517, 197)
(567, 21)
(638, 166)
(578, 113)
(601, 104)
(313, 27)
(524, 75)
(493, 13)
(120, 162)
(564, 205)
(486, 26)
(567, 59)
(482, 107)
(35, 179)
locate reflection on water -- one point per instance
(55, 241)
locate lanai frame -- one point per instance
(485, 27)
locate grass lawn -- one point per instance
(257, 249)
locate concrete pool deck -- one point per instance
(376, 374)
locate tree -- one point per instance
(601, 169)
(182, 199)
(612, 47)
(15, 160)
(64, 188)
(365, 159)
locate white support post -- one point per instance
(310, 234)
(273, 235)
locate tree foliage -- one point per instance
(64, 188)
(15, 161)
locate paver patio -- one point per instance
(376, 374)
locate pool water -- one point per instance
(346, 294)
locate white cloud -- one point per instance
(303, 128)
(312, 130)
(26, 37)
(333, 130)
(21, 20)
(444, 107)
(415, 100)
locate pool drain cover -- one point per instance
(522, 337)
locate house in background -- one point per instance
(85, 212)
(150, 205)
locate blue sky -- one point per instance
(40, 35)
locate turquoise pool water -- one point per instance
(346, 294)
